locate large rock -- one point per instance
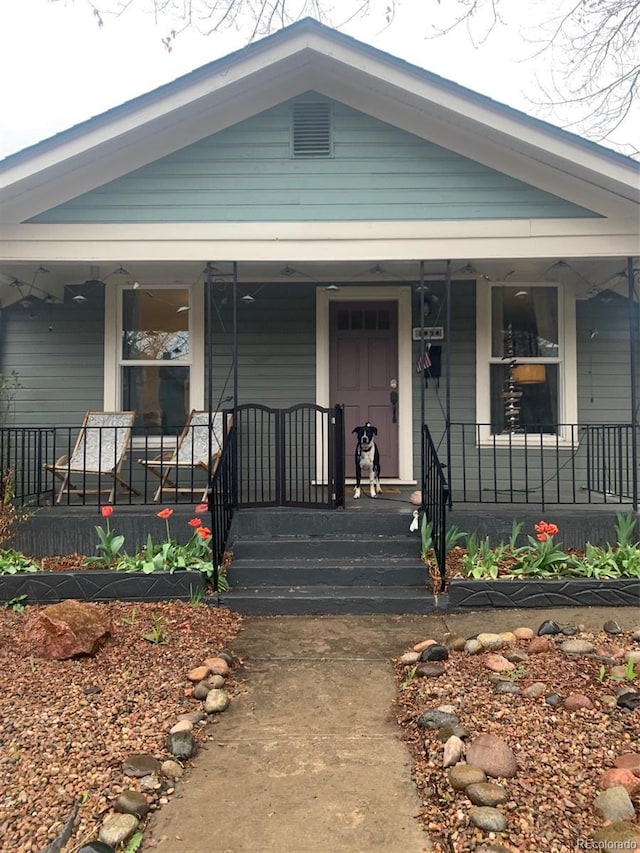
(493, 755)
(67, 629)
(614, 804)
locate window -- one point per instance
(526, 360)
(155, 356)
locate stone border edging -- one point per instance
(467, 594)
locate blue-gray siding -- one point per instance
(245, 173)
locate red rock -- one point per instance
(199, 673)
(498, 663)
(217, 666)
(577, 700)
(538, 645)
(493, 755)
(419, 647)
(67, 629)
(630, 761)
(620, 776)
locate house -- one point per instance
(310, 222)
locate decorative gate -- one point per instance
(290, 457)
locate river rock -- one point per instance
(508, 637)
(507, 687)
(216, 701)
(454, 642)
(498, 663)
(633, 655)
(132, 802)
(473, 647)
(448, 731)
(199, 673)
(553, 699)
(516, 656)
(620, 776)
(577, 647)
(490, 642)
(171, 769)
(486, 794)
(423, 644)
(410, 658)
(429, 670)
(96, 847)
(66, 630)
(493, 755)
(612, 627)
(217, 666)
(140, 764)
(621, 835)
(629, 700)
(535, 690)
(453, 751)
(539, 645)
(487, 818)
(463, 775)
(549, 627)
(201, 690)
(630, 761)
(182, 744)
(614, 804)
(181, 726)
(577, 700)
(523, 633)
(116, 828)
(434, 652)
(436, 719)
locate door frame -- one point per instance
(402, 295)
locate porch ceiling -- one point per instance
(588, 275)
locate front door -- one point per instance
(363, 364)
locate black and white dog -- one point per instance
(367, 460)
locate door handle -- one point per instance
(393, 399)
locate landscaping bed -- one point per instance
(565, 748)
(67, 726)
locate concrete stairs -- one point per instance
(313, 562)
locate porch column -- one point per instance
(447, 337)
(634, 334)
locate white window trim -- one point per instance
(401, 295)
(567, 366)
(112, 341)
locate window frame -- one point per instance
(113, 360)
(566, 361)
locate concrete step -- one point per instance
(268, 523)
(330, 571)
(322, 547)
(313, 600)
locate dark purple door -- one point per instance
(363, 373)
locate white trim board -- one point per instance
(401, 295)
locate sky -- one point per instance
(58, 67)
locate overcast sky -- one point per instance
(59, 68)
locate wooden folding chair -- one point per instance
(193, 452)
(99, 452)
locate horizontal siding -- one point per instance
(245, 173)
(58, 354)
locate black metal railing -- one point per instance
(435, 494)
(222, 501)
(282, 457)
(558, 464)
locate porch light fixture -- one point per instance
(79, 298)
(332, 287)
(247, 298)
(182, 309)
(520, 294)
(529, 374)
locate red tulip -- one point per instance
(194, 522)
(203, 532)
(107, 511)
(165, 513)
(202, 508)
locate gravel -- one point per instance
(560, 754)
(67, 726)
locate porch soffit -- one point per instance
(312, 57)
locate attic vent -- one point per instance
(311, 129)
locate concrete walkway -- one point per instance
(308, 759)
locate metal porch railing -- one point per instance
(435, 493)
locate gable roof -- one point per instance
(309, 55)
